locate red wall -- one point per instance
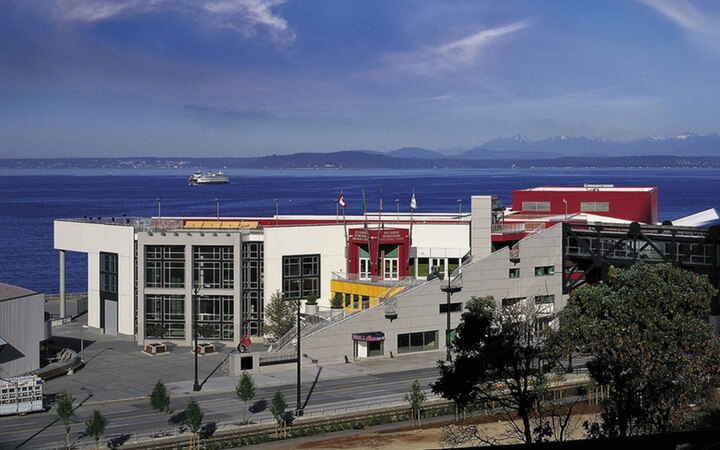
(363, 236)
(637, 206)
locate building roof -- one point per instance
(592, 187)
(702, 219)
(9, 291)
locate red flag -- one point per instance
(341, 200)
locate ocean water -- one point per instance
(32, 199)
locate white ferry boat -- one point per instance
(199, 178)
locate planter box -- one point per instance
(205, 349)
(311, 309)
(155, 349)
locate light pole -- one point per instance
(158, 200)
(459, 201)
(299, 410)
(277, 211)
(217, 208)
(397, 205)
(450, 290)
(196, 290)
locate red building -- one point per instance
(375, 254)
(633, 203)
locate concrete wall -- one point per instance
(94, 238)
(22, 326)
(419, 309)
(326, 240)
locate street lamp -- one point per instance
(298, 409)
(217, 208)
(195, 306)
(450, 290)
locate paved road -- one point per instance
(118, 379)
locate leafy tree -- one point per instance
(277, 409)
(206, 330)
(279, 315)
(95, 427)
(160, 400)
(498, 360)
(245, 389)
(193, 419)
(155, 330)
(415, 398)
(646, 331)
(65, 410)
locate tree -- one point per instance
(193, 419)
(498, 356)
(415, 398)
(95, 427)
(646, 332)
(160, 400)
(65, 410)
(279, 315)
(277, 409)
(245, 389)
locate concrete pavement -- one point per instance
(117, 368)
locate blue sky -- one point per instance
(253, 77)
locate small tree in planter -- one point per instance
(311, 306)
(277, 409)
(336, 303)
(65, 410)
(95, 427)
(155, 331)
(193, 419)
(206, 331)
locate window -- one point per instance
(301, 275)
(536, 206)
(417, 342)
(213, 267)
(165, 316)
(514, 272)
(545, 299)
(165, 266)
(541, 271)
(595, 206)
(454, 307)
(217, 312)
(510, 301)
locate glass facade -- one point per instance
(252, 288)
(165, 316)
(213, 267)
(301, 275)
(417, 342)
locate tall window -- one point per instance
(213, 267)
(541, 271)
(165, 266)
(390, 262)
(301, 275)
(165, 316)
(108, 272)
(252, 287)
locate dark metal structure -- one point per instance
(590, 250)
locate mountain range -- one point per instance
(521, 147)
(683, 150)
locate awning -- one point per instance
(369, 337)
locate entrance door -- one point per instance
(364, 268)
(391, 269)
(111, 326)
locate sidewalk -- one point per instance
(117, 368)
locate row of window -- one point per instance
(213, 266)
(584, 206)
(540, 271)
(548, 299)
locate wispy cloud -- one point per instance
(248, 17)
(688, 17)
(453, 55)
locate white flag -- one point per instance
(413, 202)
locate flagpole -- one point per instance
(413, 205)
(380, 213)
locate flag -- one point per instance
(341, 200)
(363, 202)
(413, 202)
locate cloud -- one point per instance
(248, 17)
(454, 55)
(686, 16)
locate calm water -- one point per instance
(31, 200)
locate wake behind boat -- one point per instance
(199, 178)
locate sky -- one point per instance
(113, 78)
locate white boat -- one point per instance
(199, 178)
